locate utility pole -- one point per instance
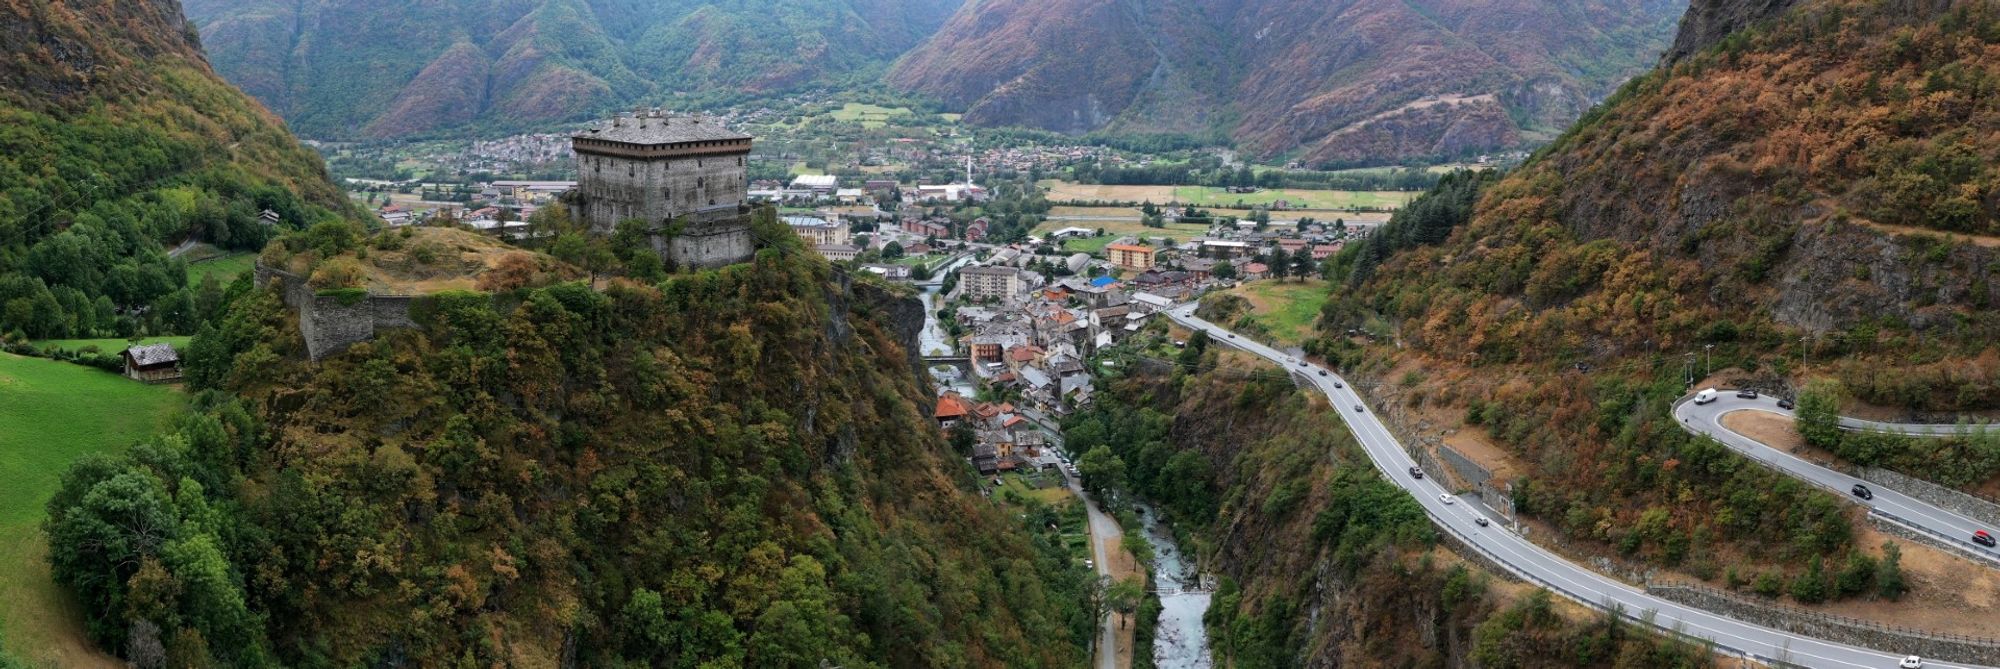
(1708, 363)
(1687, 369)
(1803, 349)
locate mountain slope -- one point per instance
(1805, 194)
(345, 69)
(1351, 81)
(117, 138)
(727, 469)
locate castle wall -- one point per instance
(616, 188)
(330, 324)
(709, 245)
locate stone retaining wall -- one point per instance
(1934, 494)
(330, 324)
(1894, 527)
(1828, 627)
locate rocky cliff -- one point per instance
(1708, 21)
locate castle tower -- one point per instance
(660, 168)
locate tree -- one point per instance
(1101, 470)
(1819, 414)
(1123, 597)
(1280, 262)
(892, 250)
(1224, 270)
(1889, 572)
(1810, 587)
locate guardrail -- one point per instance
(1957, 542)
(1828, 618)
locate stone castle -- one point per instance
(686, 177)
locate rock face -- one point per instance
(355, 68)
(1329, 83)
(1708, 21)
(59, 54)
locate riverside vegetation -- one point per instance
(1321, 561)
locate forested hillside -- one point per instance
(1809, 196)
(350, 69)
(1326, 83)
(1322, 562)
(725, 469)
(116, 141)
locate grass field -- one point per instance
(1206, 196)
(56, 412)
(110, 345)
(1116, 227)
(225, 268)
(1088, 244)
(1287, 308)
(913, 261)
(869, 116)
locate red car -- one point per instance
(1982, 538)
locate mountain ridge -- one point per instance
(347, 69)
(1327, 84)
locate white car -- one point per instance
(1911, 662)
(1447, 498)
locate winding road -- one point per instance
(1951, 528)
(1532, 562)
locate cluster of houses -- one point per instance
(1006, 440)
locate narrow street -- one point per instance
(1113, 644)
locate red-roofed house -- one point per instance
(950, 409)
(1255, 271)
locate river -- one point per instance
(1179, 641)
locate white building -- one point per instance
(819, 184)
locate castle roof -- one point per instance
(656, 128)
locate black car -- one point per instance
(1982, 538)
(1785, 404)
(1416, 473)
(1337, 384)
(1357, 408)
(1862, 491)
(1747, 394)
(1322, 372)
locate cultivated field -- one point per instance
(56, 412)
(869, 116)
(1206, 196)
